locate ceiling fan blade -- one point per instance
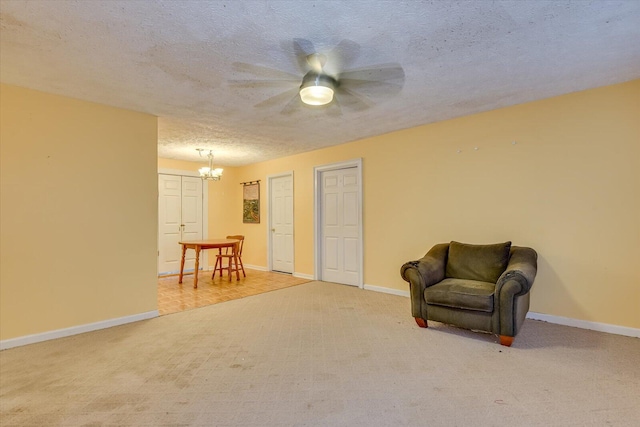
(341, 56)
(352, 100)
(303, 48)
(334, 109)
(266, 72)
(372, 88)
(254, 84)
(278, 99)
(293, 105)
(381, 72)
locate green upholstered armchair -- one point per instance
(479, 287)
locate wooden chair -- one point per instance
(231, 266)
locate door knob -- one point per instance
(273, 229)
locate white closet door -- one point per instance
(191, 208)
(179, 218)
(340, 218)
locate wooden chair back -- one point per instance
(240, 245)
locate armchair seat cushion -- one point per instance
(462, 293)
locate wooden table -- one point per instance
(199, 245)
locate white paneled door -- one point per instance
(340, 226)
(281, 218)
(179, 218)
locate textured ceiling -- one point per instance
(182, 60)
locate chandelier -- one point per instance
(209, 172)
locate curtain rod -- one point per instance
(250, 182)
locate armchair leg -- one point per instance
(506, 341)
(421, 322)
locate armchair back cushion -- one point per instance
(484, 263)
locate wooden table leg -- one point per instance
(184, 250)
(195, 271)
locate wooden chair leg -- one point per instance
(506, 341)
(242, 267)
(215, 268)
(421, 322)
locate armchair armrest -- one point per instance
(430, 269)
(512, 289)
(522, 269)
(423, 273)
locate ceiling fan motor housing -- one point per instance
(317, 89)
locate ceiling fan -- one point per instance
(325, 81)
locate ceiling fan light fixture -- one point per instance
(317, 89)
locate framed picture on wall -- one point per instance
(251, 202)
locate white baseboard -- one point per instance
(559, 320)
(261, 268)
(386, 290)
(74, 330)
(255, 267)
(585, 324)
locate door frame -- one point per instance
(317, 210)
(270, 178)
(205, 210)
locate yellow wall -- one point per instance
(78, 203)
(569, 187)
(78, 212)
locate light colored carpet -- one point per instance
(320, 354)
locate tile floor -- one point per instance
(174, 297)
